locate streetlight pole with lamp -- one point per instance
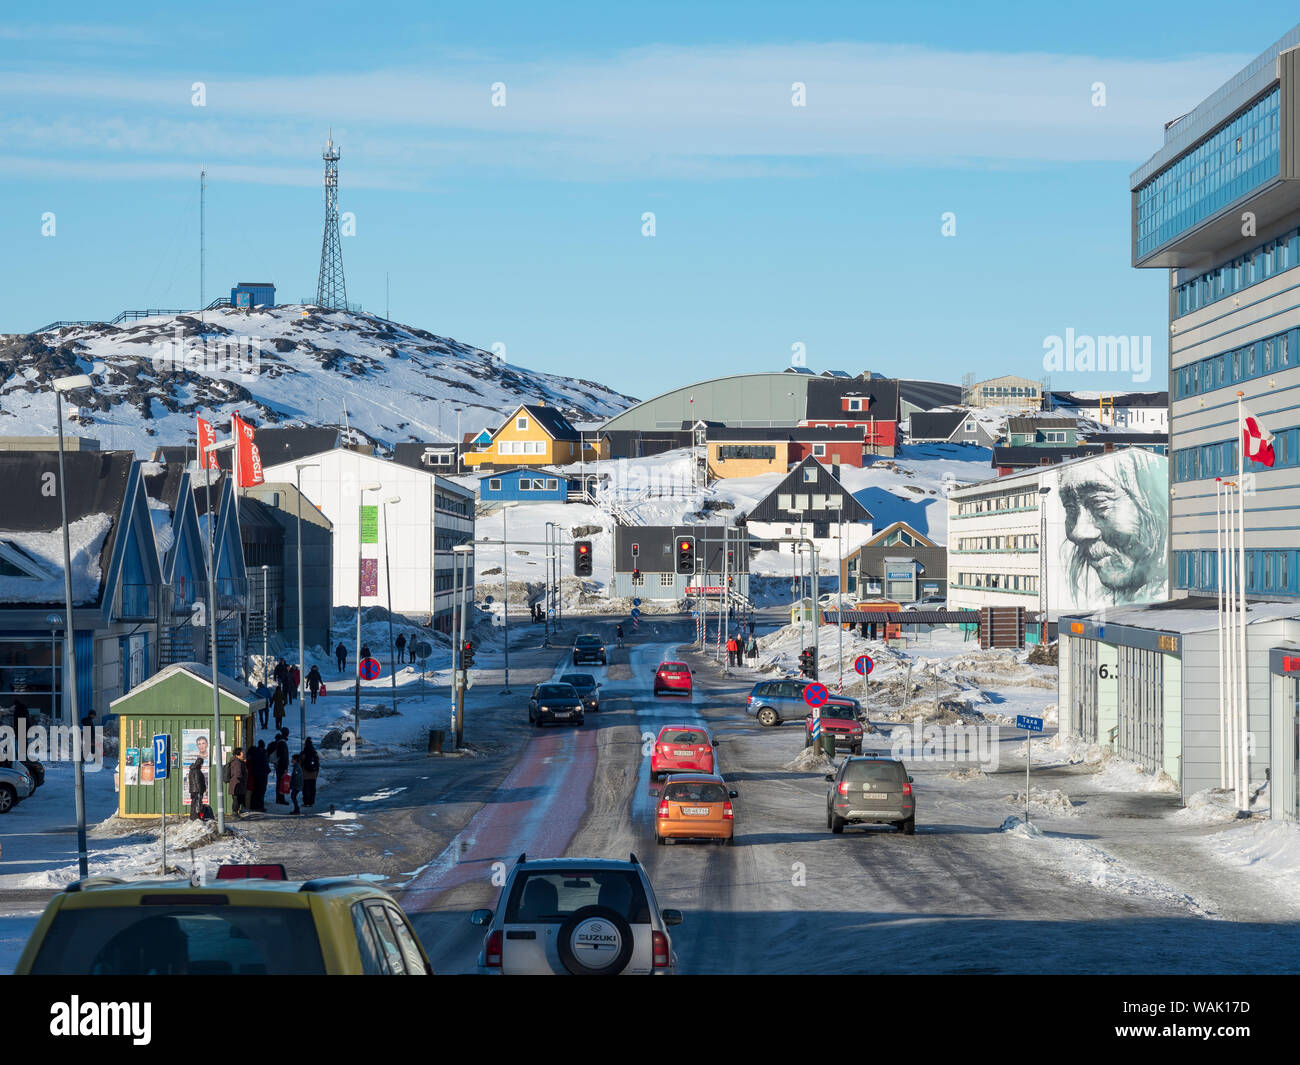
(298, 467)
(216, 793)
(1043, 493)
(466, 553)
(373, 486)
(62, 386)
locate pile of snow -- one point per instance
(1268, 848)
(970, 773)
(1018, 826)
(85, 541)
(810, 760)
(1208, 807)
(1120, 775)
(1053, 802)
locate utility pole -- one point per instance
(725, 598)
(388, 580)
(505, 595)
(302, 651)
(373, 486)
(467, 555)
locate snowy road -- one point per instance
(959, 896)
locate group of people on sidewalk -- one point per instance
(737, 652)
(288, 680)
(247, 775)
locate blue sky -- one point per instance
(521, 225)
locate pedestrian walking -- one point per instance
(618, 635)
(280, 756)
(295, 782)
(310, 760)
(278, 700)
(400, 644)
(751, 628)
(295, 683)
(237, 779)
(259, 769)
(314, 683)
(341, 653)
(753, 648)
(265, 709)
(196, 785)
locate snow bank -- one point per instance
(1268, 848)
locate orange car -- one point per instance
(683, 749)
(695, 806)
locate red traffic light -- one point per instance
(583, 549)
(685, 545)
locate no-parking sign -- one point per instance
(864, 665)
(816, 694)
(369, 669)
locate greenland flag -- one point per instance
(1256, 441)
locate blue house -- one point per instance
(253, 294)
(525, 484)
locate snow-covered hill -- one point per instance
(289, 365)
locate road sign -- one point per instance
(1029, 724)
(864, 665)
(636, 602)
(550, 612)
(161, 756)
(421, 650)
(369, 669)
(635, 612)
(815, 694)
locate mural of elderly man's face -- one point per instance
(1109, 529)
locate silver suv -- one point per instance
(584, 916)
(871, 791)
(16, 783)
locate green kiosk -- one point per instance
(177, 702)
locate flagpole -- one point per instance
(1243, 800)
(1218, 582)
(1229, 603)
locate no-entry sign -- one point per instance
(369, 669)
(864, 665)
(816, 694)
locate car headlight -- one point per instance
(546, 708)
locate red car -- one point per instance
(841, 721)
(682, 749)
(673, 677)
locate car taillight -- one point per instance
(663, 956)
(663, 808)
(907, 788)
(727, 814)
(844, 787)
(492, 952)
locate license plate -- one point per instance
(696, 811)
(683, 754)
(561, 713)
(879, 795)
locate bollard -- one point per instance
(435, 741)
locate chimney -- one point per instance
(835, 468)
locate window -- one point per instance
(819, 451)
(521, 423)
(765, 452)
(552, 484)
(855, 404)
(1054, 436)
(494, 484)
(667, 580)
(809, 477)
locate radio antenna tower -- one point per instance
(331, 289)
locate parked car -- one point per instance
(673, 677)
(682, 748)
(16, 784)
(839, 721)
(871, 791)
(584, 916)
(695, 806)
(586, 687)
(930, 602)
(774, 702)
(106, 927)
(555, 702)
(589, 648)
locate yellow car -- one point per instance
(333, 925)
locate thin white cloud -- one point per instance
(688, 112)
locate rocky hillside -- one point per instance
(290, 365)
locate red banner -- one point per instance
(250, 458)
(370, 576)
(207, 435)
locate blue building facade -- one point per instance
(524, 486)
(253, 294)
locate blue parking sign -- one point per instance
(161, 756)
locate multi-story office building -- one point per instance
(1218, 206)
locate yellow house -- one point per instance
(536, 435)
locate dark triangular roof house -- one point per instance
(809, 492)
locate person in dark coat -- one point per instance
(295, 682)
(310, 760)
(314, 683)
(618, 635)
(277, 704)
(196, 785)
(281, 674)
(365, 651)
(237, 778)
(341, 653)
(296, 782)
(279, 750)
(259, 768)
(265, 709)
(400, 644)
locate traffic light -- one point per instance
(808, 663)
(686, 554)
(467, 655)
(582, 558)
(636, 574)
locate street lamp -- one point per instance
(466, 553)
(62, 385)
(298, 467)
(388, 579)
(215, 756)
(373, 486)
